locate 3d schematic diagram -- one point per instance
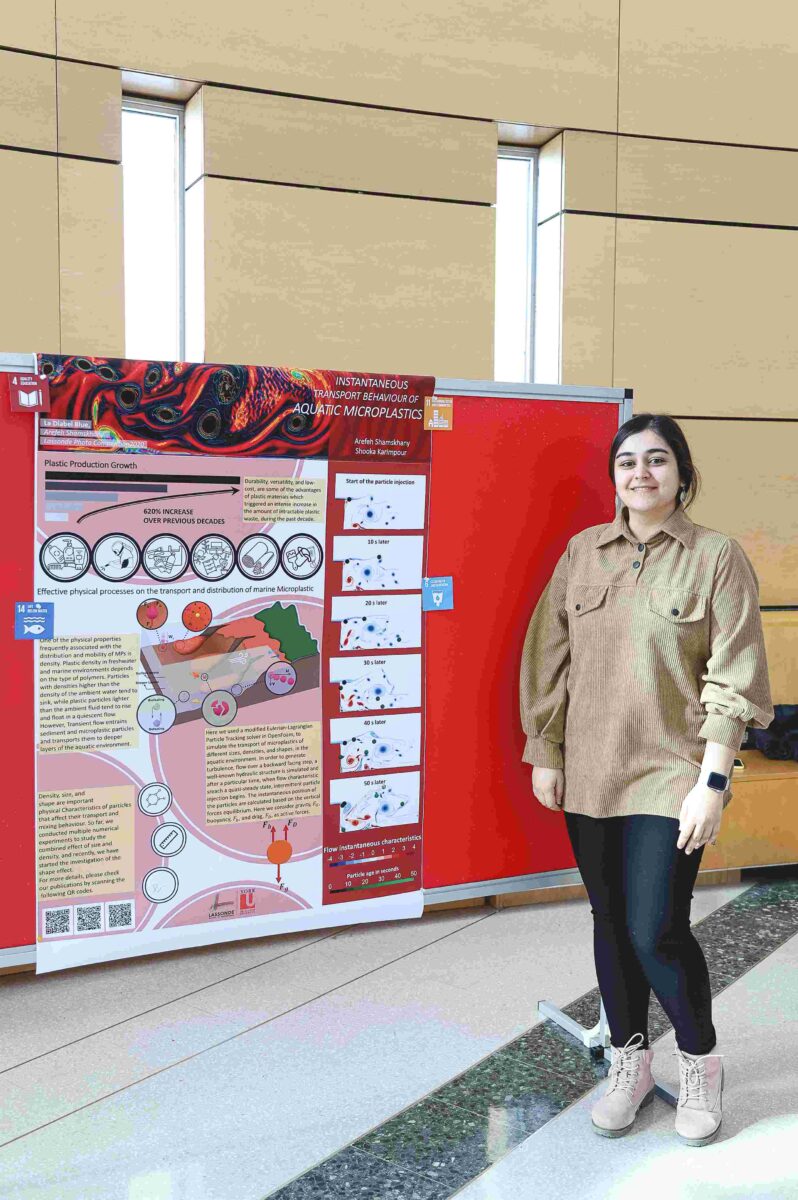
(242, 656)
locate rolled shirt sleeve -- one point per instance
(736, 690)
(545, 661)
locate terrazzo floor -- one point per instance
(392, 1062)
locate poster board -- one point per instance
(229, 717)
(522, 468)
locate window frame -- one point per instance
(532, 155)
(175, 109)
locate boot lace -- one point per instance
(624, 1070)
(693, 1076)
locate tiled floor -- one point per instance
(399, 1060)
(754, 1155)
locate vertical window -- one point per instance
(152, 172)
(515, 264)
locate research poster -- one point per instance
(230, 709)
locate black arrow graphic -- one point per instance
(228, 491)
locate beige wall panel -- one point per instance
(781, 648)
(89, 111)
(712, 71)
(248, 135)
(548, 296)
(28, 26)
(749, 476)
(341, 280)
(587, 300)
(29, 251)
(705, 318)
(709, 183)
(550, 173)
(590, 171)
(92, 258)
(27, 101)
(554, 63)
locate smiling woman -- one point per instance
(153, 227)
(643, 663)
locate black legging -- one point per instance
(640, 887)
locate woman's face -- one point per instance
(646, 474)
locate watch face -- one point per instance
(717, 782)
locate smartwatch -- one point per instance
(717, 782)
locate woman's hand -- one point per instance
(548, 785)
(699, 819)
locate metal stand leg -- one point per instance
(597, 1041)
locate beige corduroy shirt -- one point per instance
(636, 655)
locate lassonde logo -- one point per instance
(221, 908)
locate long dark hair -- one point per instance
(668, 429)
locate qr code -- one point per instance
(88, 918)
(56, 922)
(120, 915)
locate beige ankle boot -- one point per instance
(631, 1088)
(699, 1111)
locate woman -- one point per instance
(642, 665)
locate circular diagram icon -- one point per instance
(197, 616)
(301, 556)
(258, 556)
(154, 799)
(280, 678)
(156, 714)
(116, 557)
(165, 557)
(65, 557)
(168, 839)
(160, 884)
(152, 614)
(213, 557)
(219, 708)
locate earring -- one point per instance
(682, 495)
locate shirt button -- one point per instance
(641, 546)
(675, 612)
(578, 607)
(635, 563)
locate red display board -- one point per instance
(512, 481)
(17, 913)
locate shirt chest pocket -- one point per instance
(583, 598)
(677, 608)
